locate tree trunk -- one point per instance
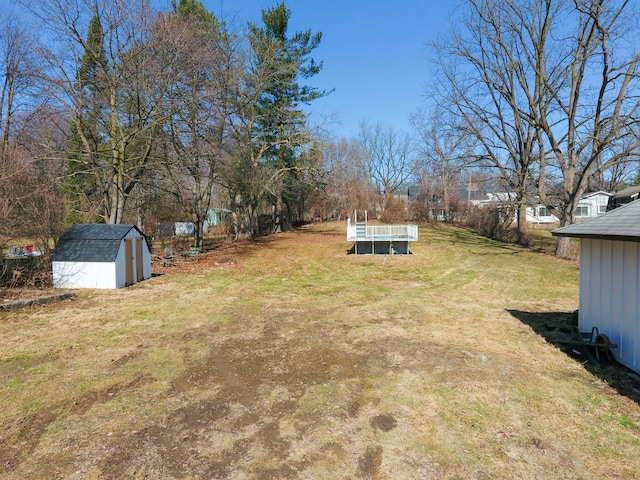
(563, 243)
(523, 229)
(198, 232)
(445, 202)
(563, 247)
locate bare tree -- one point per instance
(550, 89)
(617, 177)
(30, 204)
(346, 183)
(116, 106)
(490, 83)
(17, 65)
(204, 79)
(588, 123)
(389, 158)
(41, 206)
(445, 150)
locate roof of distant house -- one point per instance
(593, 194)
(628, 193)
(623, 223)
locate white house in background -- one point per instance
(101, 256)
(540, 214)
(592, 205)
(610, 278)
(493, 198)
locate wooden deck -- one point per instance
(381, 239)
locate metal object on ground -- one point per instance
(593, 347)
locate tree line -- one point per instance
(127, 112)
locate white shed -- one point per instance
(101, 256)
(610, 278)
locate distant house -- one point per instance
(498, 198)
(540, 214)
(184, 229)
(215, 216)
(101, 256)
(623, 197)
(610, 278)
(592, 205)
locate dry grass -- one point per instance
(541, 239)
(300, 361)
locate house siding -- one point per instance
(84, 275)
(595, 204)
(609, 294)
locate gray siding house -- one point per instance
(610, 278)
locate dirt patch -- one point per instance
(369, 463)
(258, 385)
(384, 422)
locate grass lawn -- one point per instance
(287, 358)
(541, 240)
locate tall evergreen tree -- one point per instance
(280, 120)
(94, 60)
(193, 7)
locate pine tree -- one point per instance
(285, 61)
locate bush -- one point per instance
(26, 272)
(493, 222)
(395, 211)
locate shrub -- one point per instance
(493, 222)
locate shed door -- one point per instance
(139, 262)
(128, 261)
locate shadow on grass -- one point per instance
(466, 237)
(555, 327)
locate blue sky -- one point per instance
(374, 53)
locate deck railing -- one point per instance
(362, 231)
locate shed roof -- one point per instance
(623, 223)
(88, 242)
